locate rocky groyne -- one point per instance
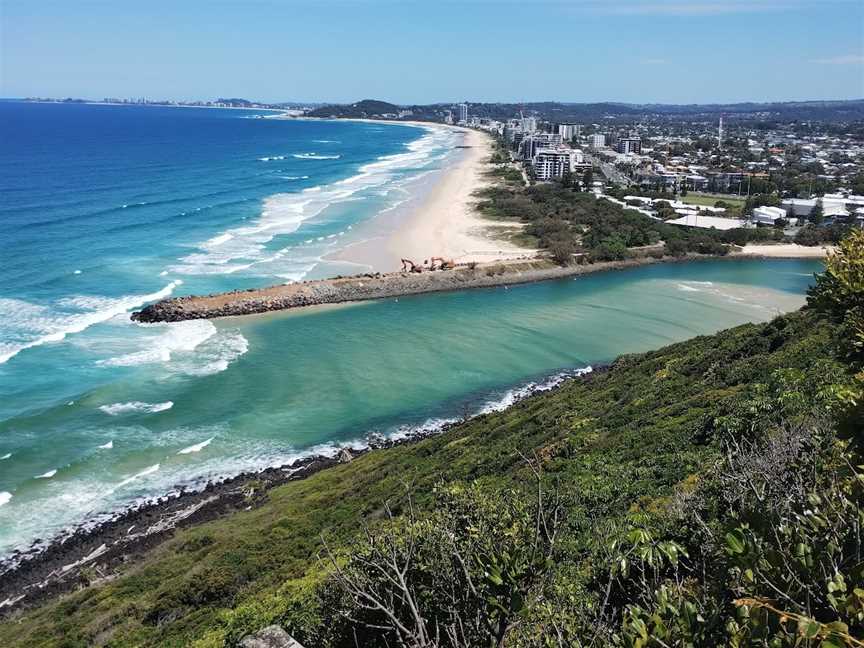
(366, 287)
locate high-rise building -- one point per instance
(597, 141)
(630, 145)
(463, 113)
(569, 131)
(529, 124)
(530, 144)
(552, 163)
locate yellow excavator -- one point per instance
(409, 266)
(440, 263)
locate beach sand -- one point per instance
(787, 251)
(442, 222)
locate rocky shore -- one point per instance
(368, 287)
(89, 555)
(92, 554)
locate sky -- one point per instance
(411, 51)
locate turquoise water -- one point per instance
(310, 380)
(105, 209)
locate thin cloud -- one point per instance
(848, 59)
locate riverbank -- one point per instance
(374, 286)
(785, 251)
(368, 287)
(69, 562)
(215, 582)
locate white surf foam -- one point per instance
(198, 447)
(143, 473)
(107, 446)
(30, 325)
(6, 456)
(213, 356)
(170, 339)
(513, 396)
(5, 497)
(47, 475)
(284, 213)
(315, 156)
(115, 409)
(686, 288)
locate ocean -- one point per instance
(106, 208)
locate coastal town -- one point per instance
(741, 175)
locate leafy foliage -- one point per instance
(705, 494)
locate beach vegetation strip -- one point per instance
(707, 493)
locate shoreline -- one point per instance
(442, 221)
(438, 220)
(68, 561)
(785, 251)
(374, 286)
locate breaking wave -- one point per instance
(116, 409)
(24, 325)
(245, 248)
(198, 447)
(315, 156)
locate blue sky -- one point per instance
(687, 51)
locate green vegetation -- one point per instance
(734, 204)
(566, 221)
(706, 494)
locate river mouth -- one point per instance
(237, 395)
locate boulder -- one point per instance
(270, 637)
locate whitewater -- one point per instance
(107, 208)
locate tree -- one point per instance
(587, 180)
(562, 252)
(817, 214)
(462, 576)
(839, 291)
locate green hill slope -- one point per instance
(651, 463)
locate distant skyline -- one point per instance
(634, 51)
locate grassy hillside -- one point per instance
(708, 493)
(623, 441)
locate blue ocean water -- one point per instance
(106, 208)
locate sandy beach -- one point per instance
(787, 251)
(441, 222)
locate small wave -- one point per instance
(77, 272)
(327, 141)
(214, 356)
(687, 288)
(107, 446)
(47, 475)
(272, 158)
(176, 337)
(513, 396)
(54, 327)
(6, 456)
(304, 177)
(143, 473)
(315, 156)
(198, 447)
(115, 409)
(218, 240)
(5, 497)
